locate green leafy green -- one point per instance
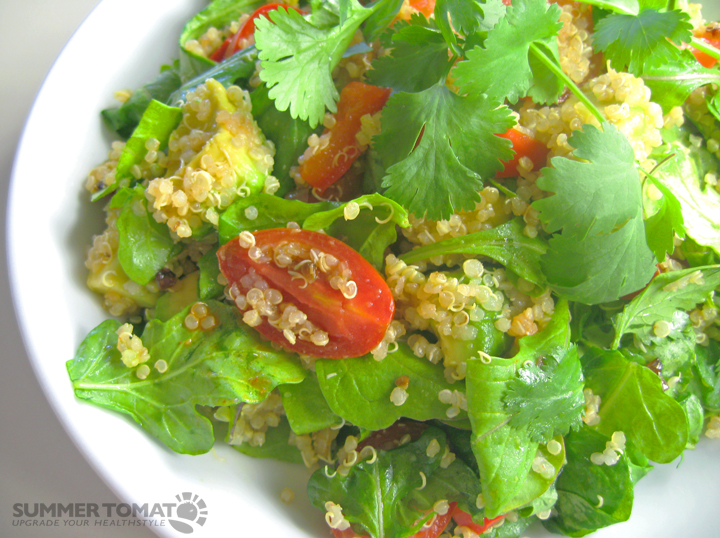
(469, 17)
(289, 135)
(631, 7)
(628, 41)
(508, 44)
(666, 294)
(208, 286)
(144, 245)
(671, 82)
(504, 452)
(506, 244)
(596, 193)
(666, 222)
(124, 119)
(272, 212)
(590, 496)
(223, 366)
(359, 389)
(382, 498)
(419, 59)
(371, 232)
(305, 406)
(438, 147)
(602, 253)
(547, 399)
(633, 401)
(157, 122)
(275, 446)
(218, 14)
(683, 175)
(297, 60)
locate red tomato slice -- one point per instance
(426, 7)
(303, 266)
(705, 59)
(233, 43)
(464, 519)
(524, 146)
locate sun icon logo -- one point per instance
(191, 513)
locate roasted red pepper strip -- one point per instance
(712, 38)
(233, 43)
(464, 519)
(320, 167)
(347, 302)
(524, 146)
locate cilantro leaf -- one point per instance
(508, 44)
(418, 60)
(297, 60)
(547, 400)
(629, 40)
(661, 226)
(470, 16)
(602, 253)
(593, 195)
(621, 6)
(447, 146)
(666, 294)
(601, 268)
(671, 82)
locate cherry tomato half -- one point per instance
(326, 300)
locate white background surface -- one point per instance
(38, 461)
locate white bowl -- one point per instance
(50, 224)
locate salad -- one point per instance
(458, 258)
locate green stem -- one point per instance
(708, 49)
(558, 72)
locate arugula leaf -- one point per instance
(124, 119)
(305, 406)
(682, 174)
(506, 244)
(628, 41)
(359, 389)
(157, 122)
(370, 233)
(590, 496)
(666, 294)
(504, 452)
(438, 147)
(385, 498)
(508, 44)
(672, 82)
(547, 399)
(602, 253)
(209, 269)
(297, 60)
(419, 59)
(275, 446)
(667, 221)
(633, 401)
(289, 135)
(272, 212)
(144, 245)
(226, 365)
